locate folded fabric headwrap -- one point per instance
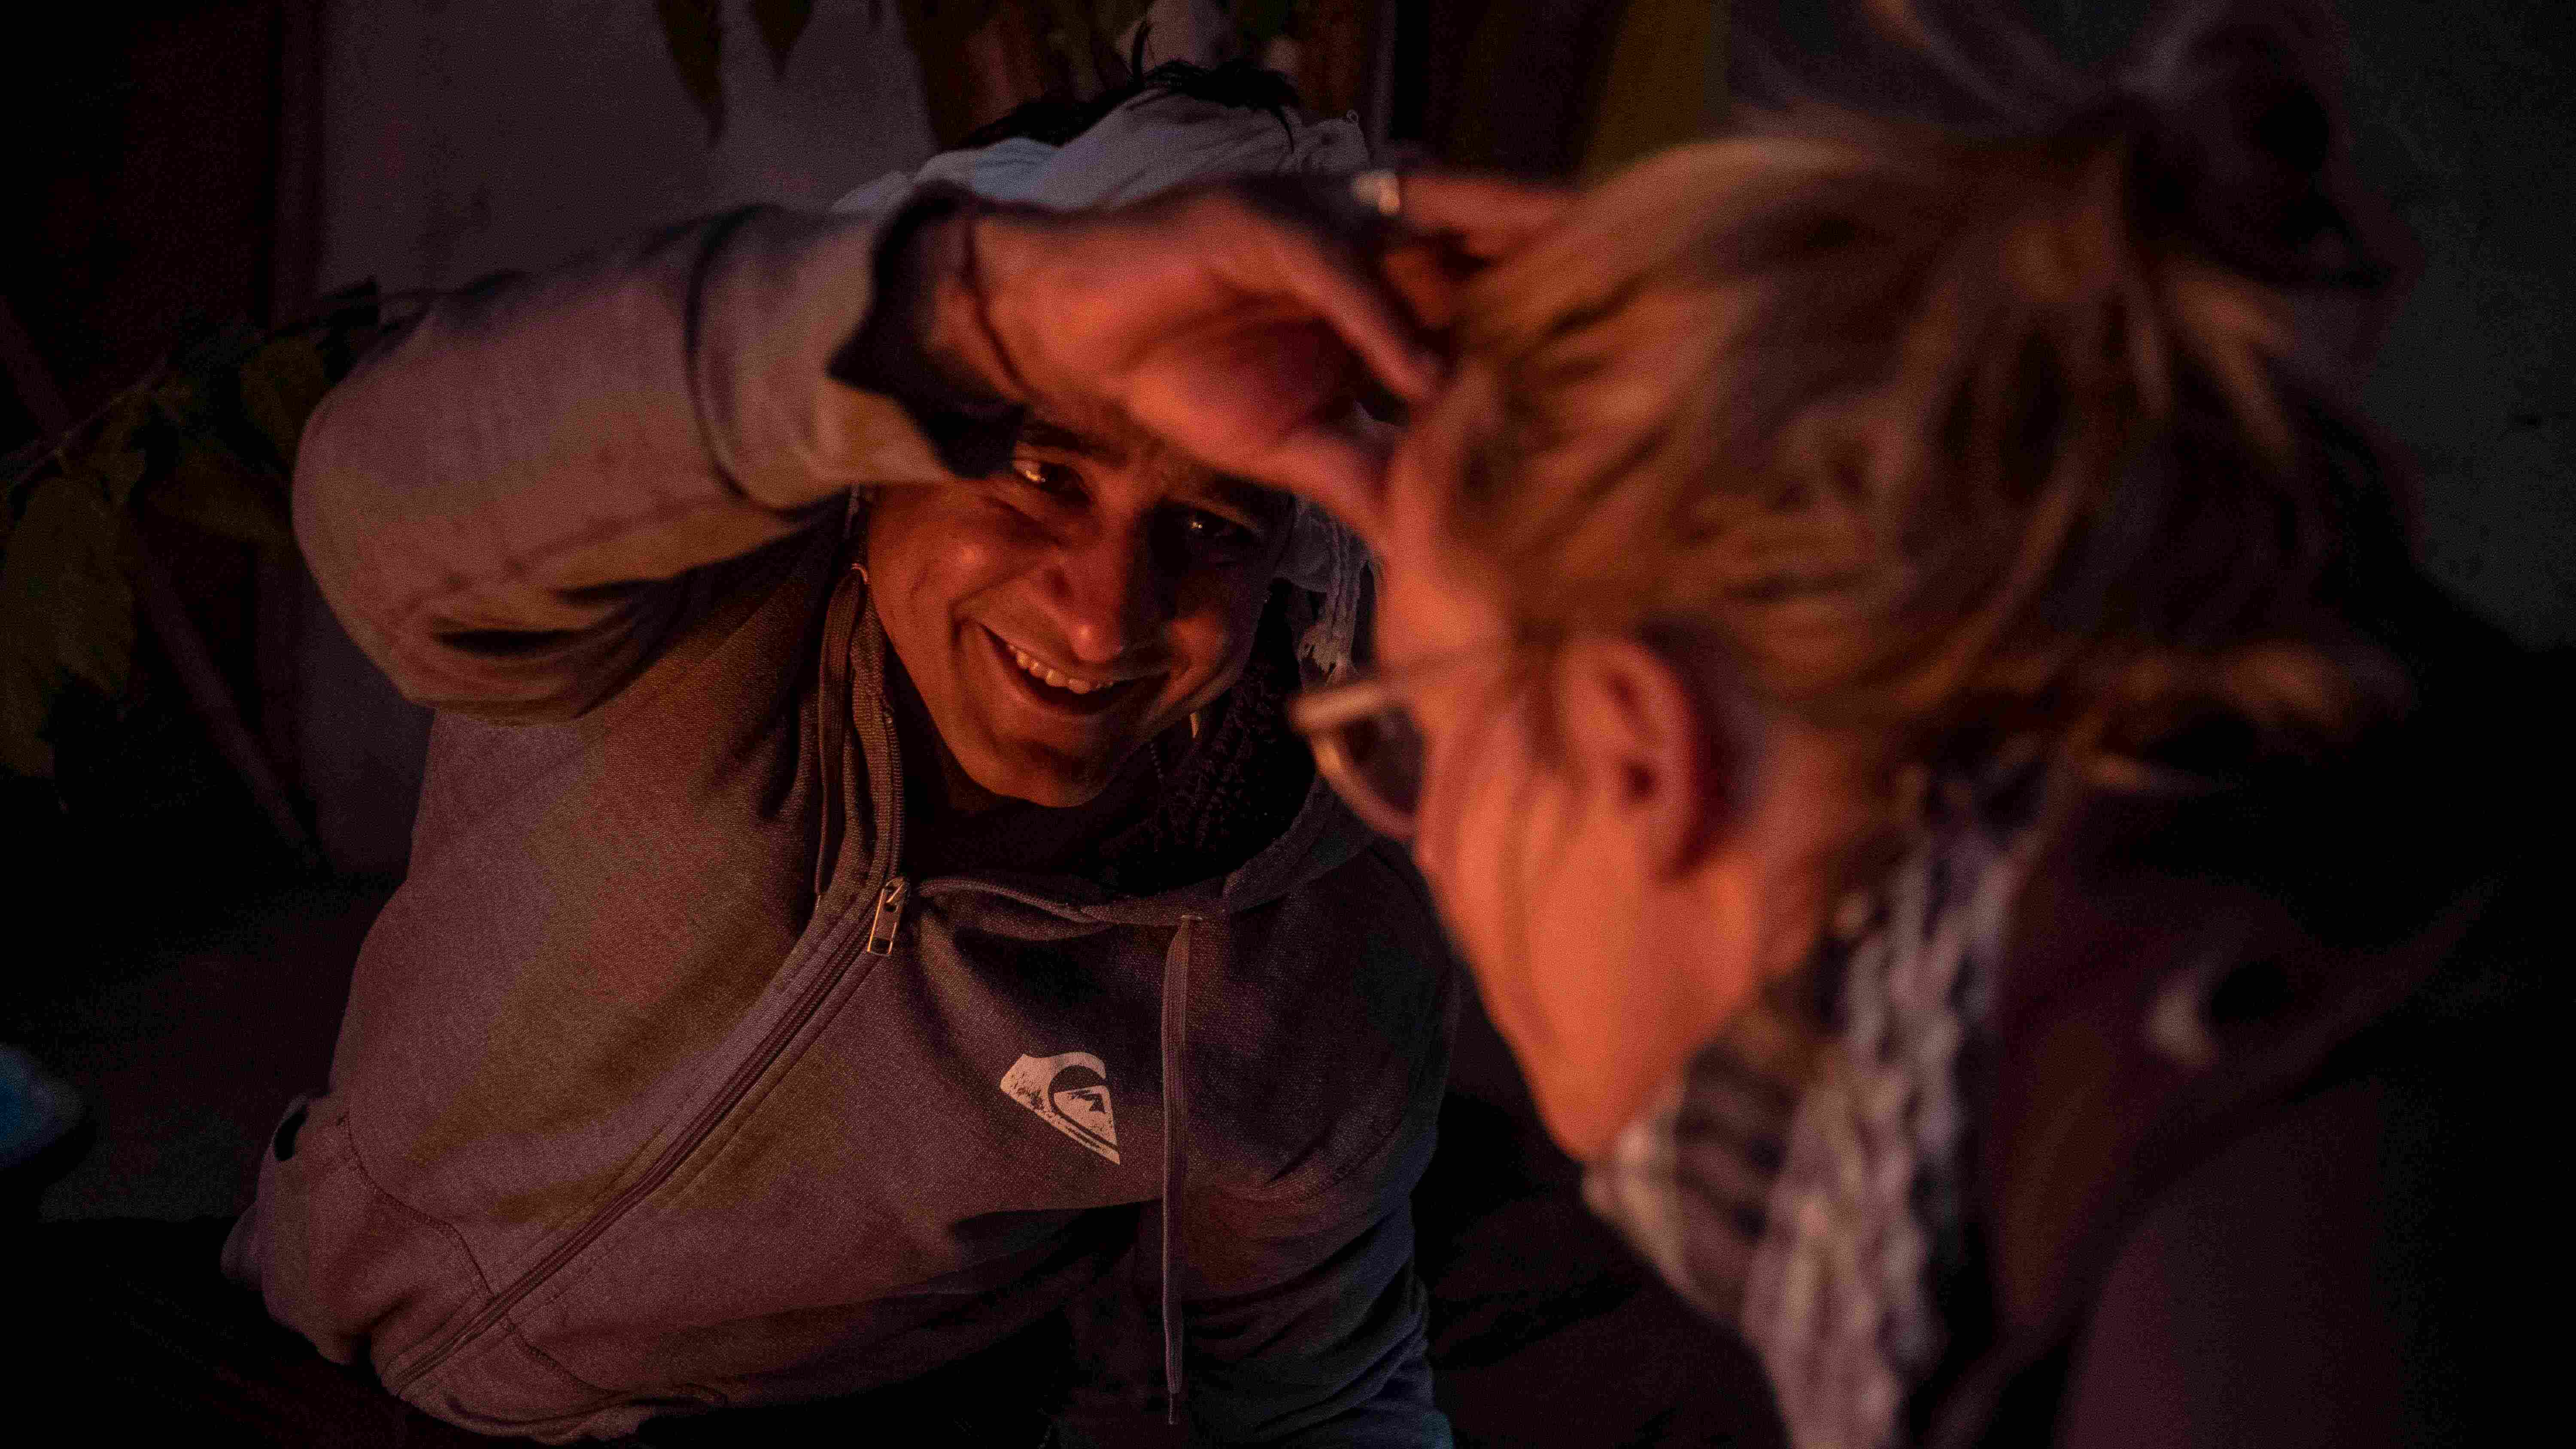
(1150, 145)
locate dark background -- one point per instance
(212, 159)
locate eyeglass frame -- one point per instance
(1321, 713)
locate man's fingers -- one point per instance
(1425, 272)
(1488, 217)
(1454, 228)
(1357, 305)
(1340, 466)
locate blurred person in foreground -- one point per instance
(1911, 685)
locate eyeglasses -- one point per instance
(1367, 742)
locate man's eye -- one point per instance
(1052, 479)
(1207, 530)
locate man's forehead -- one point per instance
(1117, 443)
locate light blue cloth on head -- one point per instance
(1151, 144)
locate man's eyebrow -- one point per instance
(1251, 500)
(1057, 438)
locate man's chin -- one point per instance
(1054, 784)
(1060, 794)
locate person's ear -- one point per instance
(1634, 729)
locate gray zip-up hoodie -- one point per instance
(663, 1086)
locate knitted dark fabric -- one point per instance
(1237, 789)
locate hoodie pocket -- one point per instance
(335, 1258)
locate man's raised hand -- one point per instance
(1231, 321)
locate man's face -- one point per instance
(1059, 615)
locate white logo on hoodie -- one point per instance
(1071, 1092)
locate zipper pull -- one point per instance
(888, 918)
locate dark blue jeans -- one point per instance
(136, 1330)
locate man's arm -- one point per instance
(499, 502)
(1304, 1321)
(1306, 1326)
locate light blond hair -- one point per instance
(1935, 430)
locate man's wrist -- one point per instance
(925, 344)
(956, 322)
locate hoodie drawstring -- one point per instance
(1175, 1037)
(832, 705)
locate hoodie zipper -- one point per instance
(888, 917)
(884, 922)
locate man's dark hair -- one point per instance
(1056, 120)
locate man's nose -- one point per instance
(1108, 597)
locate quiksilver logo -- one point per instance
(1071, 1092)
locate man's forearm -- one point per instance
(533, 455)
(929, 343)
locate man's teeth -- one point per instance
(1060, 681)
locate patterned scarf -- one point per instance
(1803, 1177)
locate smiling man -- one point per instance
(1058, 617)
(870, 931)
